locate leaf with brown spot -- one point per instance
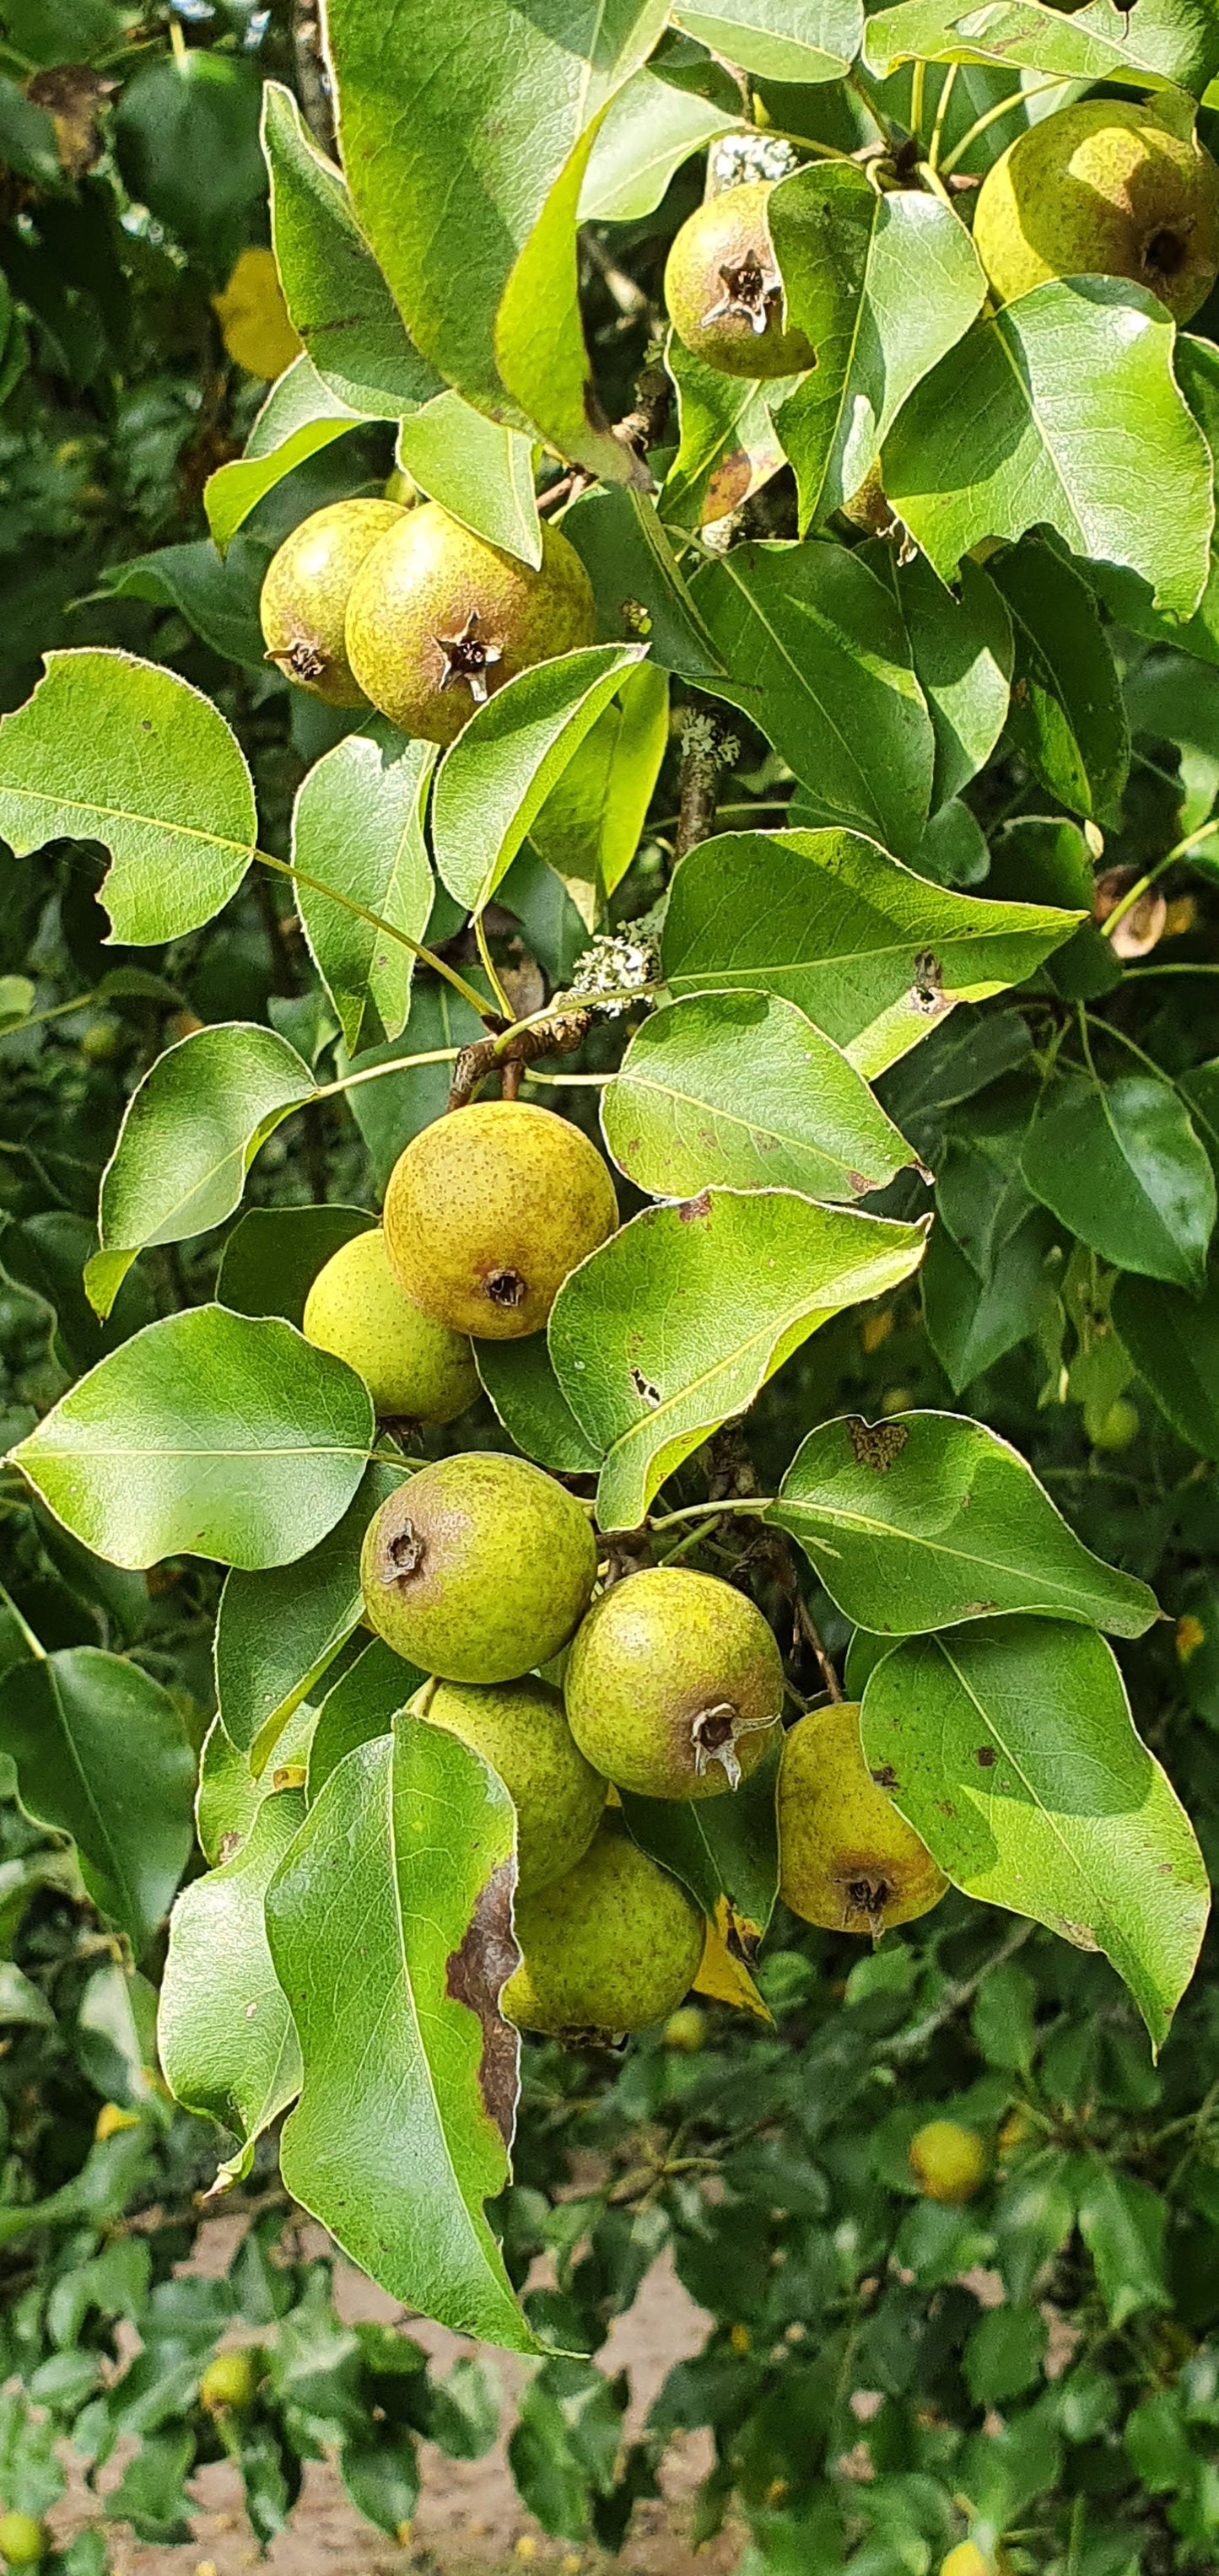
(387, 1924)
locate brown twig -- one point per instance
(706, 750)
(510, 1052)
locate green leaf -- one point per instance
(783, 40)
(224, 2029)
(539, 337)
(102, 1754)
(1129, 599)
(1034, 2213)
(277, 1632)
(186, 137)
(647, 132)
(1005, 2354)
(115, 750)
(1061, 409)
(981, 1195)
(1010, 1748)
(452, 150)
(1122, 2222)
(229, 1796)
(1174, 39)
(216, 593)
(566, 2444)
(972, 1322)
(729, 444)
(337, 299)
(718, 1847)
(591, 824)
(300, 417)
(873, 954)
(816, 654)
(883, 286)
(521, 1383)
(640, 591)
(1173, 1339)
(963, 656)
(1120, 1163)
(678, 1320)
(496, 777)
(189, 1135)
(1067, 718)
(393, 1108)
(399, 2138)
(362, 1705)
(273, 1256)
(927, 1519)
(740, 1088)
(208, 1434)
(357, 826)
(478, 471)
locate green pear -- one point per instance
(230, 2382)
(487, 1211)
(724, 291)
(521, 1729)
(438, 619)
(414, 1368)
(607, 1949)
(948, 2162)
(1105, 189)
(304, 597)
(847, 1859)
(23, 2541)
(674, 1685)
(478, 1568)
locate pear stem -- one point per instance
(389, 929)
(502, 1003)
(942, 105)
(1182, 850)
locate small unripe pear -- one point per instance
(304, 597)
(1117, 1427)
(438, 619)
(111, 2119)
(686, 2030)
(230, 2383)
(724, 291)
(609, 1948)
(966, 2560)
(488, 1210)
(478, 1568)
(948, 2162)
(674, 1685)
(413, 1368)
(847, 1860)
(1103, 188)
(23, 2541)
(521, 1728)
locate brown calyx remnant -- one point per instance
(506, 1288)
(868, 1897)
(469, 656)
(304, 659)
(751, 292)
(405, 1552)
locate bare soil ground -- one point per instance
(470, 2521)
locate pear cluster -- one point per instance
(481, 1572)
(374, 603)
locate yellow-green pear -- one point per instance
(847, 1859)
(947, 2161)
(304, 597)
(724, 291)
(488, 1210)
(607, 1949)
(438, 619)
(478, 1568)
(23, 2541)
(414, 1368)
(1104, 188)
(521, 1729)
(674, 1684)
(230, 2382)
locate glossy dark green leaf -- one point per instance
(1071, 405)
(277, 1632)
(408, 2099)
(927, 1519)
(527, 1396)
(972, 1322)
(208, 1434)
(871, 953)
(963, 657)
(720, 1847)
(784, 40)
(1009, 1746)
(816, 655)
(226, 2039)
(102, 1754)
(1121, 1165)
(1173, 1339)
(273, 1256)
(357, 826)
(1067, 719)
(338, 301)
(1122, 2221)
(360, 1706)
(741, 1089)
(640, 590)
